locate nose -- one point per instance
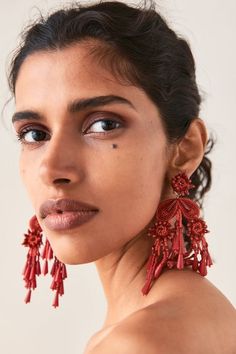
(60, 163)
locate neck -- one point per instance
(123, 274)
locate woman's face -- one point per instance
(125, 183)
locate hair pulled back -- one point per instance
(137, 45)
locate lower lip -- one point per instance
(68, 220)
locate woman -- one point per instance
(107, 113)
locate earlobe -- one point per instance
(188, 153)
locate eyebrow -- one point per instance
(76, 106)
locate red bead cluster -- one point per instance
(33, 240)
(169, 228)
(181, 184)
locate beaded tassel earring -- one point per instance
(33, 240)
(169, 249)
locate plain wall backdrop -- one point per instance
(210, 27)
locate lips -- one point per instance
(61, 206)
(66, 214)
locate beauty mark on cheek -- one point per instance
(114, 146)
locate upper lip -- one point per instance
(52, 206)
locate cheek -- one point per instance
(129, 190)
(27, 169)
(23, 169)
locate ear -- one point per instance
(188, 153)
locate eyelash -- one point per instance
(21, 134)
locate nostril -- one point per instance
(61, 180)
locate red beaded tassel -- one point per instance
(59, 274)
(168, 250)
(47, 254)
(32, 267)
(33, 240)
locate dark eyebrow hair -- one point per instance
(76, 106)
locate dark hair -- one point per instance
(138, 46)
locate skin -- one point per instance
(125, 173)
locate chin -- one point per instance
(68, 258)
(69, 255)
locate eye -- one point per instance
(103, 124)
(30, 135)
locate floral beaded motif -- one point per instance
(181, 184)
(33, 239)
(161, 229)
(196, 228)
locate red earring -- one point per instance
(33, 240)
(165, 233)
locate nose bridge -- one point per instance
(60, 159)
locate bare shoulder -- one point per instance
(126, 340)
(146, 332)
(196, 322)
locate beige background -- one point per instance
(38, 328)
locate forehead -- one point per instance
(53, 78)
(70, 66)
